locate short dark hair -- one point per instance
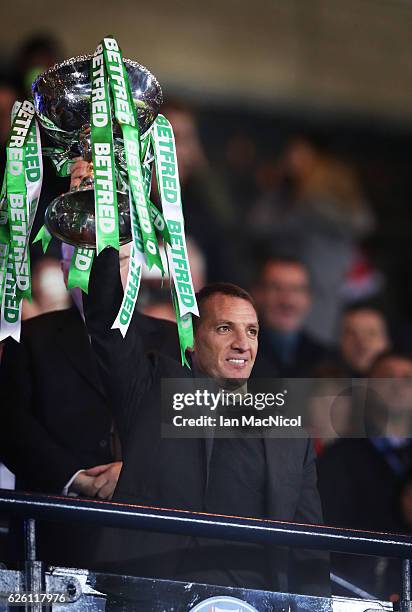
(361, 305)
(285, 260)
(223, 289)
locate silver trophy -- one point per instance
(62, 102)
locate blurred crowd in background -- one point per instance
(312, 215)
(333, 193)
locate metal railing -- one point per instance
(55, 508)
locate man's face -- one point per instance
(364, 336)
(226, 339)
(284, 297)
(392, 380)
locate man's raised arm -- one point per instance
(125, 369)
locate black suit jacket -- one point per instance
(54, 413)
(360, 490)
(55, 418)
(308, 354)
(171, 473)
(358, 487)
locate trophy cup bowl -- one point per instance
(62, 102)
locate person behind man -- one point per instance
(57, 429)
(212, 211)
(283, 297)
(360, 477)
(262, 477)
(363, 336)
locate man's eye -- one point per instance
(253, 331)
(223, 328)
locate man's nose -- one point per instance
(240, 341)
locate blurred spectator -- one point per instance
(360, 478)
(152, 279)
(209, 213)
(35, 55)
(198, 264)
(317, 213)
(389, 406)
(283, 297)
(160, 310)
(329, 407)
(363, 336)
(240, 161)
(48, 289)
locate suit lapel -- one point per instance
(72, 338)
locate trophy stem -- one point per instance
(85, 144)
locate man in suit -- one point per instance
(283, 297)
(360, 478)
(364, 335)
(57, 432)
(261, 477)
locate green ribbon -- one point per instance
(18, 213)
(125, 114)
(131, 292)
(33, 174)
(184, 329)
(4, 252)
(4, 237)
(183, 294)
(137, 256)
(80, 268)
(44, 236)
(105, 187)
(19, 196)
(111, 90)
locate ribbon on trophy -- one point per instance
(167, 173)
(105, 186)
(4, 240)
(125, 114)
(137, 257)
(123, 166)
(21, 190)
(171, 227)
(108, 68)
